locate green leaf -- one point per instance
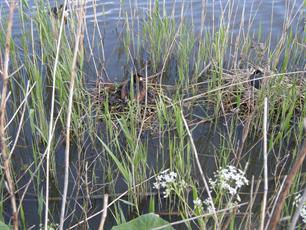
(3, 226)
(125, 172)
(144, 222)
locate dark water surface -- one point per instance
(267, 16)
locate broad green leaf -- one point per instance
(3, 226)
(144, 222)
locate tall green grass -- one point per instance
(114, 146)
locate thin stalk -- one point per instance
(200, 168)
(275, 203)
(69, 112)
(3, 148)
(264, 201)
(51, 123)
(104, 214)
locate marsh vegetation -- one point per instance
(214, 142)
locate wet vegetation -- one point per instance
(206, 138)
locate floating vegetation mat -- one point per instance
(241, 90)
(107, 96)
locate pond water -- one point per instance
(269, 17)
(106, 62)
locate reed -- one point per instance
(200, 114)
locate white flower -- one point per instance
(229, 179)
(173, 174)
(66, 13)
(167, 192)
(209, 205)
(163, 184)
(168, 182)
(197, 203)
(156, 185)
(183, 183)
(296, 202)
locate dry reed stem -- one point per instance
(274, 205)
(81, 19)
(251, 204)
(3, 148)
(20, 121)
(191, 98)
(25, 100)
(288, 182)
(104, 214)
(265, 152)
(51, 122)
(195, 152)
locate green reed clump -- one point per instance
(159, 33)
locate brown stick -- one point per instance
(3, 148)
(287, 185)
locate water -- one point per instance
(107, 62)
(245, 16)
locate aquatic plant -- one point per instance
(201, 111)
(229, 180)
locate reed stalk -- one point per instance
(6, 159)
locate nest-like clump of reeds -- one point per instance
(107, 96)
(241, 92)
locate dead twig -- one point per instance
(289, 180)
(3, 148)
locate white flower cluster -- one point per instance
(168, 182)
(296, 202)
(209, 205)
(229, 179)
(198, 204)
